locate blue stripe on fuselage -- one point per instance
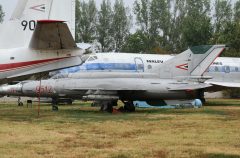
(101, 66)
(110, 66)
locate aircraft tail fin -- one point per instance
(32, 10)
(52, 35)
(192, 62)
(19, 10)
(46, 10)
(25, 16)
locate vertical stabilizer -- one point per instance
(25, 15)
(19, 9)
(192, 62)
(63, 10)
(32, 10)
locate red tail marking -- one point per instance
(183, 67)
(40, 7)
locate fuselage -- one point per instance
(222, 69)
(145, 89)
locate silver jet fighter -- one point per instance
(178, 78)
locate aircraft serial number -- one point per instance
(28, 25)
(44, 89)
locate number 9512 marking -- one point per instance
(28, 25)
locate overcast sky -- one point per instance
(9, 5)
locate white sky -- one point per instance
(9, 5)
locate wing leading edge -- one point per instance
(225, 84)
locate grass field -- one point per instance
(82, 131)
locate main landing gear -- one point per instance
(54, 104)
(129, 106)
(201, 96)
(107, 106)
(20, 103)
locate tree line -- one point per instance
(162, 26)
(110, 25)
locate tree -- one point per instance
(1, 14)
(235, 37)
(231, 33)
(235, 34)
(197, 27)
(136, 43)
(104, 26)
(176, 26)
(222, 20)
(121, 24)
(77, 23)
(142, 10)
(86, 20)
(237, 11)
(160, 18)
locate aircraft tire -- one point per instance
(203, 100)
(54, 108)
(129, 107)
(70, 102)
(107, 107)
(20, 104)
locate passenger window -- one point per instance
(149, 66)
(227, 69)
(216, 69)
(140, 66)
(236, 69)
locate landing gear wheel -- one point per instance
(129, 107)
(20, 104)
(54, 105)
(201, 96)
(70, 102)
(203, 100)
(54, 108)
(106, 107)
(29, 103)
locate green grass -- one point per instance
(82, 131)
(225, 102)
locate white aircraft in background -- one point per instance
(225, 71)
(180, 77)
(28, 47)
